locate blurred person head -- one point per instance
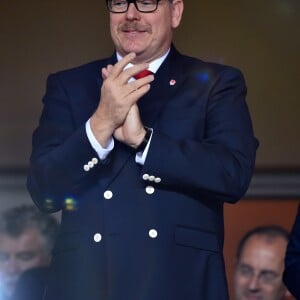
(260, 264)
(26, 241)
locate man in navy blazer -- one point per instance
(291, 275)
(141, 168)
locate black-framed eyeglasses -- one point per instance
(121, 6)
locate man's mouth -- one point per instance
(253, 297)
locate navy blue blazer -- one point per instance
(291, 275)
(153, 231)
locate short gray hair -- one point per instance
(16, 220)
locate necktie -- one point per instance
(142, 74)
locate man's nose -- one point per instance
(132, 12)
(254, 283)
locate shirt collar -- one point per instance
(153, 65)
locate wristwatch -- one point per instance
(141, 147)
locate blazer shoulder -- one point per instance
(84, 71)
(193, 63)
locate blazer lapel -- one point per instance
(167, 80)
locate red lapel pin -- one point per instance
(172, 82)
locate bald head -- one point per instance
(260, 265)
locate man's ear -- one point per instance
(177, 11)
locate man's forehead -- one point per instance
(29, 238)
(261, 242)
(260, 253)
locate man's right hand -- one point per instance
(117, 98)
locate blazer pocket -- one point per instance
(196, 238)
(66, 241)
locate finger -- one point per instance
(109, 68)
(137, 84)
(120, 65)
(125, 74)
(104, 73)
(137, 94)
(130, 72)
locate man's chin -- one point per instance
(133, 45)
